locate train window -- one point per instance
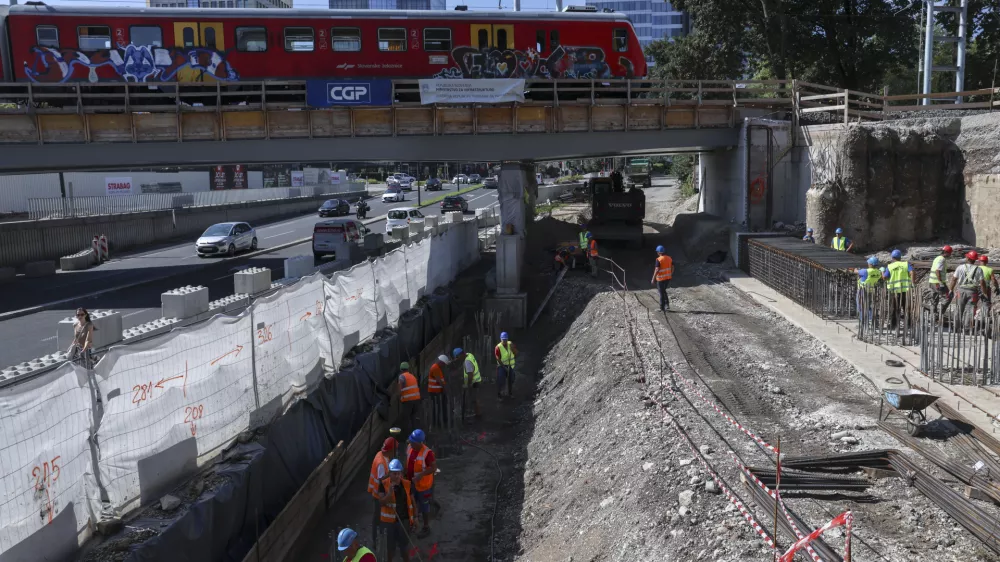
(501, 39)
(299, 39)
(484, 38)
(553, 39)
(621, 40)
(345, 39)
(437, 39)
(540, 41)
(209, 37)
(94, 37)
(150, 36)
(391, 39)
(188, 36)
(47, 36)
(251, 39)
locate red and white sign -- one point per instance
(118, 186)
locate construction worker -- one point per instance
(564, 256)
(663, 272)
(938, 279)
(409, 391)
(841, 243)
(583, 236)
(968, 279)
(988, 279)
(899, 280)
(868, 279)
(809, 236)
(506, 354)
(592, 254)
(379, 472)
(436, 391)
(420, 467)
(396, 498)
(471, 378)
(347, 543)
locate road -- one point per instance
(34, 335)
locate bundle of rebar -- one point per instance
(844, 462)
(799, 480)
(985, 439)
(767, 505)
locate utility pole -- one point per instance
(559, 6)
(962, 11)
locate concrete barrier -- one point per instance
(401, 233)
(299, 266)
(184, 302)
(78, 261)
(374, 242)
(252, 281)
(455, 217)
(40, 268)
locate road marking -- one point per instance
(49, 339)
(278, 234)
(136, 312)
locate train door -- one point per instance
(487, 36)
(199, 40)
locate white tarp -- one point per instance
(493, 90)
(351, 308)
(47, 491)
(169, 402)
(416, 269)
(390, 272)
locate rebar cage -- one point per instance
(959, 339)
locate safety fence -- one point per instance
(66, 207)
(149, 414)
(959, 340)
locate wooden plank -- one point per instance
(532, 119)
(328, 123)
(18, 129)
(244, 125)
(376, 122)
(415, 121)
(455, 120)
(153, 127)
(200, 126)
(643, 117)
(823, 108)
(680, 118)
(493, 120)
(714, 116)
(288, 124)
(62, 128)
(572, 119)
(822, 97)
(945, 106)
(941, 95)
(608, 118)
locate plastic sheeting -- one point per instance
(394, 292)
(46, 471)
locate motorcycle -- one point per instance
(362, 210)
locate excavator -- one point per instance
(616, 212)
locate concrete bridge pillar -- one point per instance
(517, 193)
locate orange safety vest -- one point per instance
(664, 268)
(409, 388)
(419, 464)
(593, 248)
(373, 477)
(388, 512)
(435, 380)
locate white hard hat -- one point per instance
(443, 358)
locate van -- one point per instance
(333, 235)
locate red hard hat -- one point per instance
(389, 444)
(984, 259)
(972, 255)
(946, 249)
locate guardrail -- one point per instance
(859, 106)
(68, 207)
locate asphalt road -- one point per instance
(34, 335)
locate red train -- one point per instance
(82, 44)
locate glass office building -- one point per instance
(388, 5)
(653, 20)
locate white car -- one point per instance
(402, 216)
(226, 238)
(406, 183)
(333, 235)
(393, 194)
(460, 178)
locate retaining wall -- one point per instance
(38, 240)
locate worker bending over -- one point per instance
(663, 272)
(347, 543)
(592, 254)
(841, 243)
(396, 497)
(565, 258)
(505, 353)
(968, 280)
(471, 379)
(899, 281)
(379, 472)
(809, 236)
(436, 392)
(409, 396)
(938, 279)
(420, 467)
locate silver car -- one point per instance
(226, 238)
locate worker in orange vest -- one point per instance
(420, 467)
(394, 493)
(409, 397)
(379, 472)
(592, 254)
(662, 274)
(437, 392)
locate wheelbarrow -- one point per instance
(909, 404)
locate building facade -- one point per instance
(388, 5)
(219, 3)
(653, 19)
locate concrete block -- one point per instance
(227, 304)
(455, 217)
(7, 274)
(510, 253)
(184, 302)
(333, 266)
(299, 266)
(374, 241)
(401, 233)
(78, 261)
(512, 309)
(46, 362)
(252, 280)
(107, 329)
(150, 329)
(39, 268)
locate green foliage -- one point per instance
(683, 169)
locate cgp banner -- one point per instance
(328, 93)
(500, 90)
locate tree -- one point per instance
(696, 57)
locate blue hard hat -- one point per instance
(661, 250)
(809, 230)
(395, 466)
(456, 352)
(503, 335)
(873, 261)
(572, 248)
(589, 235)
(346, 538)
(840, 231)
(896, 254)
(417, 436)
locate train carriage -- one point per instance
(56, 44)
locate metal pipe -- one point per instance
(963, 22)
(928, 51)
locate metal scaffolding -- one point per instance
(959, 341)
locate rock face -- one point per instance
(886, 184)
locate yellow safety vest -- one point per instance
(987, 274)
(583, 240)
(476, 377)
(506, 355)
(899, 277)
(839, 243)
(935, 266)
(359, 554)
(871, 280)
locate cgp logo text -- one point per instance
(359, 93)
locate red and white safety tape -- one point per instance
(845, 518)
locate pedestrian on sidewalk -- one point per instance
(471, 379)
(409, 399)
(396, 498)
(809, 236)
(938, 279)
(347, 543)
(379, 472)
(506, 356)
(840, 242)
(663, 272)
(420, 468)
(436, 390)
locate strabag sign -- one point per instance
(118, 186)
(328, 93)
(500, 90)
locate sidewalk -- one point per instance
(979, 405)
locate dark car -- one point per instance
(454, 203)
(491, 182)
(335, 208)
(433, 184)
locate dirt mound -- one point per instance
(702, 235)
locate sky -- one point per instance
(548, 5)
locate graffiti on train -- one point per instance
(563, 62)
(131, 63)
